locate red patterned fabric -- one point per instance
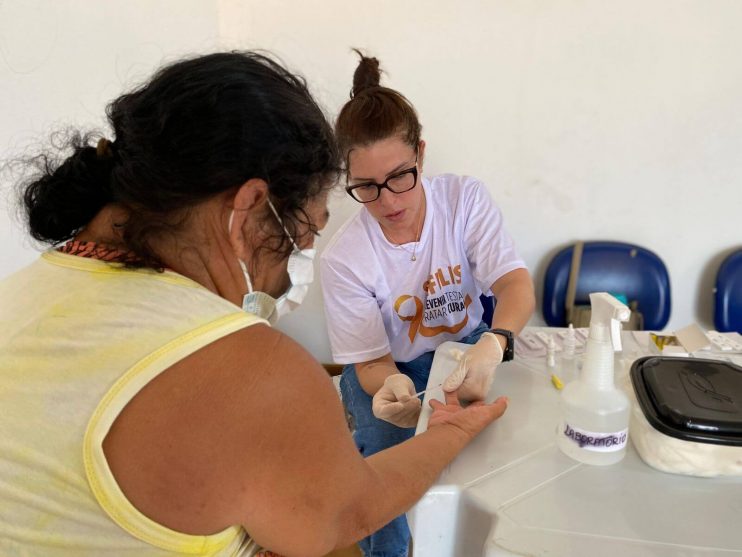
(95, 250)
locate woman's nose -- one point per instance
(385, 196)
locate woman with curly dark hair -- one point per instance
(148, 408)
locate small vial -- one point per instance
(569, 361)
(551, 364)
(551, 354)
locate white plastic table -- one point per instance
(512, 491)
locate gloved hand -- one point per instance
(396, 402)
(476, 369)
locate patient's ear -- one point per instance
(248, 203)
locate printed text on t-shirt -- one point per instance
(441, 278)
(436, 307)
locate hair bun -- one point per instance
(367, 74)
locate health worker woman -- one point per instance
(405, 274)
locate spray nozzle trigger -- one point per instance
(606, 315)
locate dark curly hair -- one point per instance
(198, 127)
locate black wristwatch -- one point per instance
(509, 352)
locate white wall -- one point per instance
(587, 119)
(62, 61)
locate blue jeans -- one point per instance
(373, 435)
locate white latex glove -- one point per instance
(396, 402)
(476, 369)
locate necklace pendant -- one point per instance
(413, 258)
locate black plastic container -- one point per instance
(691, 399)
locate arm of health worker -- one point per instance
(373, 373)
(475, 372)
(515, 302)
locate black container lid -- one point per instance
(690, 398)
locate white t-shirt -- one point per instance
(378, 301)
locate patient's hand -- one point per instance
(472, 419)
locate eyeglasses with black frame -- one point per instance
(400, 182)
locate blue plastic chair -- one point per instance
(488, 303)
(728, 294)
(614, 267)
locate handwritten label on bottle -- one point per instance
(600, 442)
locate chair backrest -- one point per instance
(614, 267)
(488, 304)
(728, 295)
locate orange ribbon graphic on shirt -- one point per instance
(416, 320)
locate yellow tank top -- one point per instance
(78, 339)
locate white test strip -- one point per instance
(428, 389)
(723, 343)
(529, 341)
(544, 338)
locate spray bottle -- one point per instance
(594, 425)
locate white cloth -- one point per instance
(378, 301)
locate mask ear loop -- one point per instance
(242, 263)
(247, 276)
(275, 213)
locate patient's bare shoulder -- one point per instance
(187, 434)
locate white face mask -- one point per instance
(301, 274)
